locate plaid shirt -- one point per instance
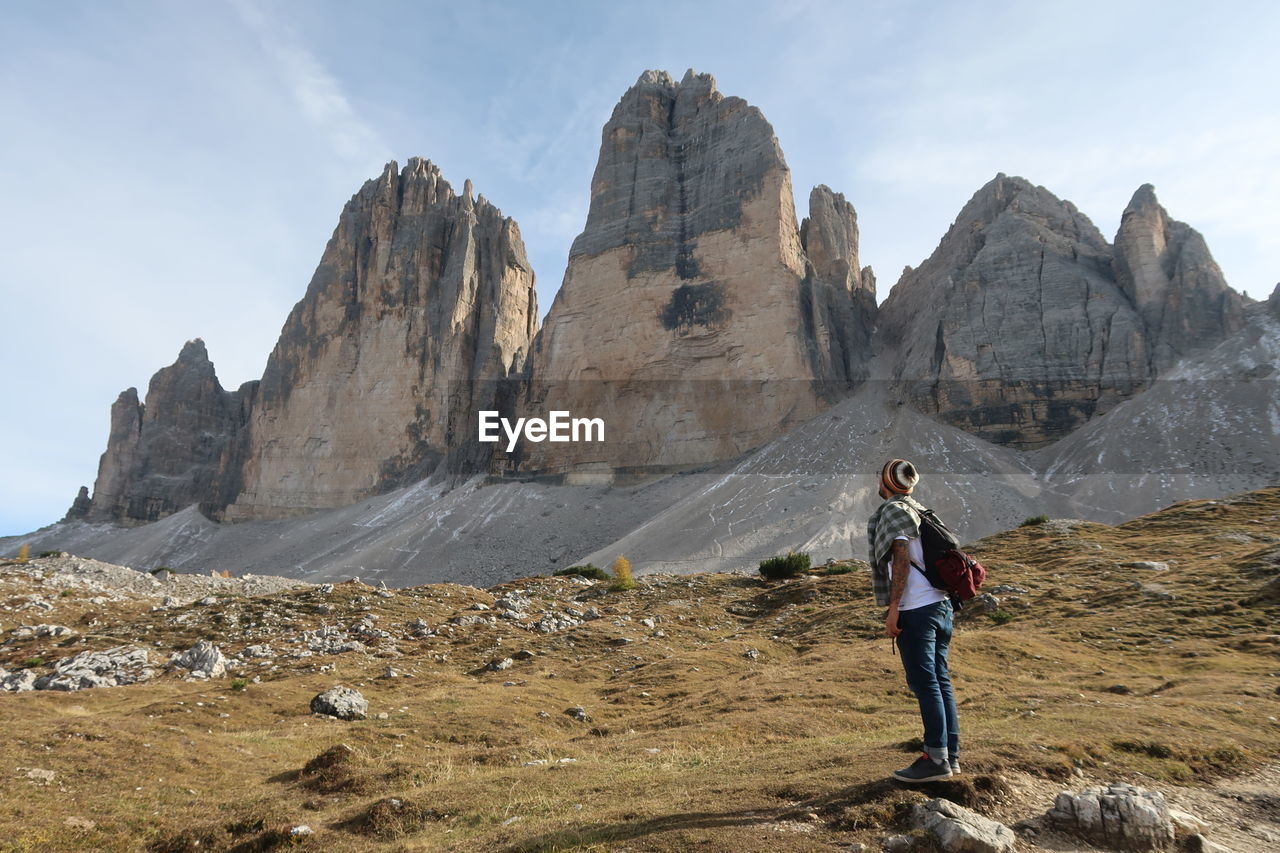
(898, 516)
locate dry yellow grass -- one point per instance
(691, 742)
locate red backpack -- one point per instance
(945, 565)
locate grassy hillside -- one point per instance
(747, 715)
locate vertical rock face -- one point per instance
(118, 465)
(690, 318)
(838, 300)
(80, 506)
(166, 455)
(1273, 302)
(422, 303)
(1166, 269)
(1014, 328)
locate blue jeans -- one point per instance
(924, 643)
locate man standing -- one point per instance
(919, 618)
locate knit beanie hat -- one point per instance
(899, 476)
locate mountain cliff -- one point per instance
(422, 303)
(698, 318)
(1165, 268)
(690, 291)
(1025, 322)
(171, 452)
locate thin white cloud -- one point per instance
(318, 94)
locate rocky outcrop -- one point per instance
(1272, 304)
(956, 829)
(1025, 322)
(167, 454)
(203, 660)
(80, 506)
(690, 316)
(345, 703)
(118, 465)
(1014, 329)
(1166, 269)
(422, 303)
(837, 300)
(1118, 817)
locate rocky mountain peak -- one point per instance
(167, 454)
(829, 236)
(1165, 268)
(422, 302)
(1014, 327)
(194, 353)
(692, 237)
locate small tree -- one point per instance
(1034, 520)
(24, 553)
(622, 579)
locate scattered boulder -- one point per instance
(28, 631)
(979, 605)
(1148, 565)
(1119, 816)
(111, 668)
(499, 664)
(330, 640)
(204, 660)
(513, 602)
(579, 713)
(18, 682)
(552, 622)
(960, 830)
(345, 703)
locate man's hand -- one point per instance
(891, 622)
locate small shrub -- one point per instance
(790, 565)
(66, 593)
(24, 554)
(50, 554)
(622, 579)
(158, 569)
(1151, 748)
(1034, 520)
(238, 684)
(1001, 617)
(33, 662)
(837, 570)
(588, 571)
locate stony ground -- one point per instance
(709, 712)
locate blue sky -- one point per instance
(173, 170)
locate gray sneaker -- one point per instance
(924, 769)
(955, 766)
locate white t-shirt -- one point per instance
(919, 592)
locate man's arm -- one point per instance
(901, 558)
